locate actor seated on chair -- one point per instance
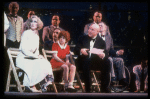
(95, 60)
(61, 60)
(35, 66)
(115, 61)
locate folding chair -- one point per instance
(12, 53)
(48, 54)
(95, 81)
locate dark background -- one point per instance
(128, 22)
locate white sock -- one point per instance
(70, 85)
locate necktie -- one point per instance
(102, 35)
(93, 40)
(13, 16)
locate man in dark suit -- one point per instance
(93, 61)
(113, 54)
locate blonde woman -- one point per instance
(34, 65)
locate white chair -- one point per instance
(12, 53)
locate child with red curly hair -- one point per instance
(61, 60)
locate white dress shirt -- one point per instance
(102, 37)
(92, 44)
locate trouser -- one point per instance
(12, 44)
(102, 65)
(118, 64)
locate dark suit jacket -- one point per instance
(108, 40)
(84, 42)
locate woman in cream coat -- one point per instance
(36, 68)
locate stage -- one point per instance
(75, 95)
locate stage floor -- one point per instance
(63, 94)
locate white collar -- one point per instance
(100, 34)
(94, 37)
(62, 47)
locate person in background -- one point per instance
(48, 30)
(61, 60)
(141, 76)
(37, 69)
(14, 32)
(6, 26)
(97, 18)
(115, 61)
(55, 39)
(29, 15)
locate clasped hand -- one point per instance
(68, 63)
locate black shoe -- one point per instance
(106, 91)
(112, 83)
(27, 89)
(71, 90)
(44, 89)
(123, 82)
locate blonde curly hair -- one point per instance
(39, 22)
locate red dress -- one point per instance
(61, 54)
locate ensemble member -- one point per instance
(115, 61)
(61, 60)
(13, 34)
(48, 30)
(141, 76)
(93, 61)
(25, 26)
(36, 68)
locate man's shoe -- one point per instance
(123, 82)
(107, 90)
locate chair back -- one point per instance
(47, 53)
(12, 53)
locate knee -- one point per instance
(73, 67)
(65, 67)
(120, 60)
